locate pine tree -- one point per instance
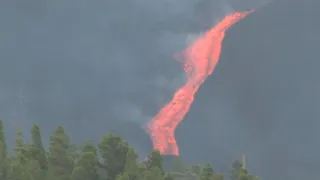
(243, 174)
(131, 166)
(60, 163)
(235, 170)
(113, 151)
(155, 160)
(251, 177)
(3, 152)
(86, 168)
(21, 148)
(22, 166)
(207, 173)
(178, 165)
(88, 165)
(217, 176)
(89, 147)
(196, 169)
(168, 176)
(153, 173)
(123, 176)
(38, 151)
(64, 161)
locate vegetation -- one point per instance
(112, 159)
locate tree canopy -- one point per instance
(111, 159)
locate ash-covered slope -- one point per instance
(264, 96)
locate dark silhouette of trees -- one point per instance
(112, 159)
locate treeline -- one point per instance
(112, 159)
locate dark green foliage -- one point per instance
(155, 160)
(22, 165)
(60, 163)
(114, 160)
(235, 170)
(87, 167)
(131, 166)
(90, 147)
(168, 176)
(196, 169)
(217, 176)
(244, 175)
(207, 173)
(3, 144)
(3, 152)
(38, 151)
(178, 165)
(154, 173)
(123, 176)
(113, 151)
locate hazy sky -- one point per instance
(102, 63)
(263, 97)
(99, 66)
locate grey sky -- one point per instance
(263, 98)
(99, 62)
(99, 66)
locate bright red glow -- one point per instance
(199, 61)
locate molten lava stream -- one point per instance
(198, 61)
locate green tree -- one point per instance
(113, 151)
(155, 160)
(207, 173)
(3, 152)
(22, 166)
(131, 166)
(87, 167)
(142, 167)
(217, 176)
(235, 170)
(21, 149)
(154, 173)
(196, 169)
(60, 163)
(90, 147)
(17, 164)
(29, 171)
(38, 151)
(74, 153)
(243, 174)
(168, 176)
(178, 165)
(15, 170)
(123, 176)
(251, 177)
(65, 161)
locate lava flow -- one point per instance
(199, 61)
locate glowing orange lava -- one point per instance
(199, 61)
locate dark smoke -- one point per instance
(263, 97)
(92, 65)
(106, 66)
